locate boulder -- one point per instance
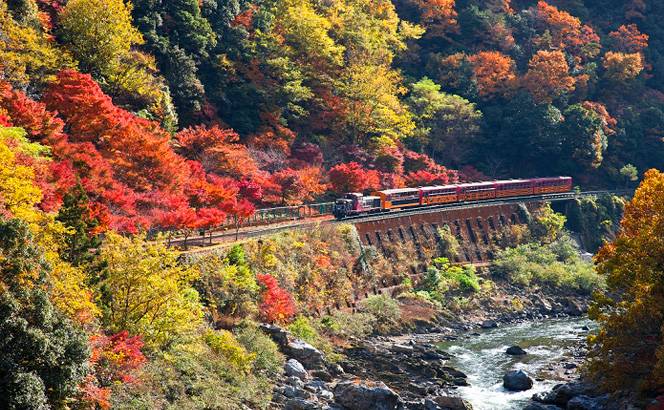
(309, 356)
(278, 334)
(301, 404)
(448, 403)
(583, 402)
(295, 369)
(561, 394)
(489, 324)
(515, 351)
(517, 380)
(572, 307)
(366, 396)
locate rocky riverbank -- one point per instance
(408, 370)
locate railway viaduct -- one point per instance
(477, 229)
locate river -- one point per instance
(483, 358)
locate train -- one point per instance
(354, 203)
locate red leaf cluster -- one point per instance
(277, 305)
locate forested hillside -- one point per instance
(175, 114)
(121, 117)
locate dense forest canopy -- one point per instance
(179, 113)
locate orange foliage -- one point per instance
(438, 16)
(629, 39)
(548, 76)
(622, 66)
(494, 73)
(566, 31)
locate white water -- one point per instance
(484, 360)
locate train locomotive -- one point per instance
(353, 204)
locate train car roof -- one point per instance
(478, 184)
(398, 191)
(512, 181)
(438, 187)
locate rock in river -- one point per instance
(515, 351)
(489, 324)
(366, 396)
(517, 380)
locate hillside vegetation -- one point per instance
(120, 119)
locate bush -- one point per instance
(194, 376)
(557, 265)
(303, 329)
(347, 325)
(268, 360)
(385, 311)
(225, 344)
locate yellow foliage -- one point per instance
(26, 55)
(146, 291)
(223, 343)
(99, 33)
(18, 192)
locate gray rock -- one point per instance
(366, 396)
(561, 394)
(295, 369)
(296, 392)
(397, 348)
(517, 380)
(309, 356)
(450, 403)
(489, 324)
(515, 351)
(301, 404)
(586, 403)
(279, 335)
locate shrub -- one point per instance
(347, 325)
(225, 344)
(556, 265)
(384, 309)
(268, 360)
(303, 329)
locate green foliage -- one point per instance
(193, 376)
(442, 278)
(302, 328)
(385, 310)
(448, 243)
(227, 285)
(349, 325)
(224, 343)
(99, 33)
(268, 361)
(546, 225)
(447, 124)
(556, 265)
(44, 357)
(596, 219)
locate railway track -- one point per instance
(205, 242)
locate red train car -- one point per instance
(394, 199)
